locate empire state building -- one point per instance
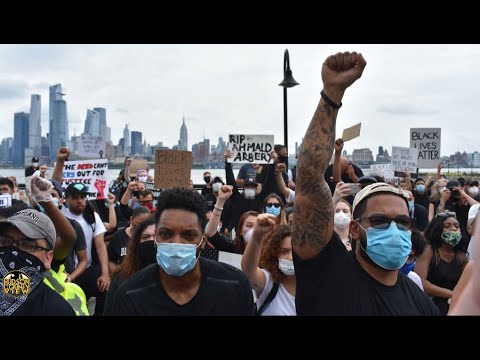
(183, 142)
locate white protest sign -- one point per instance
(230, 259)
(254, 149)
(91, 173)
(403, 160)
(5, 200)
(427, 142)
(384, 170)
(92, 147)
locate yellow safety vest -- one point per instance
(69, 291)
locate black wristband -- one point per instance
(329, 101)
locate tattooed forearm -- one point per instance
(313, 214)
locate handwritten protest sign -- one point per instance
(427, 141)
(91, 173)
(351, 132)
(137, 164)
(251, 149)
(92, 147)
(384, 170)
(172, 168)
(403, 160)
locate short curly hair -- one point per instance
(183, 199)
(272, 244)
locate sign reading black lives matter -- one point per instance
(254, 149)
(427, 141)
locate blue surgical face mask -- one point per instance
(389, 248)
(411, 205)
(405, 269)
(420, 188)
(42, 209)
(176, 259)
(273, 210)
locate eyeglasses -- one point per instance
(23, 244)
(447, 213)
(383, 222)
(277, 205)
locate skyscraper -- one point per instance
(35, 127)
(136, 142)
(20, 137)
(126, 136)
(102, 112)
(183, 142)
(92, 123)
(58, 120)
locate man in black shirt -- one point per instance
(181, 284)
(29, 171)
(330, 280)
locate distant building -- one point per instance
(21, 128)
(136, 137)
(362, 156)
(183, 142)
(6, 150)
(126, 135)
(35, 127)
(58, 120)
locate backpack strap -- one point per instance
(271, 295)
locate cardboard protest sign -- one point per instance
(136, 165)
(351, 132)
(91, 173)
(254, 149)
(91, 147)
(427, 142)
(403, 160)
(172, 168)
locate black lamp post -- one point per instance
(288, 81)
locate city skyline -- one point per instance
(223, 89)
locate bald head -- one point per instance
(344, 164)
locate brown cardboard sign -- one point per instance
(137, 164)
(351, 132)
(172, 168)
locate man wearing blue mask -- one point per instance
(331, 280)
(182, 283)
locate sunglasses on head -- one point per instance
(277, 205)
(447, 213)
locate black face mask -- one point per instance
(12, 258)
(207, 179)
(147, 253)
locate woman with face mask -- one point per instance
(443, 261)
(436, 195)
(273, 205)
(342, 218)
(268, 264)
(141, 252)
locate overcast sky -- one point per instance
(222, 89)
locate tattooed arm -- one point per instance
(313, 214)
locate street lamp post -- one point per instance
(288, 81)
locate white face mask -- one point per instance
(341, 220)
(473, 191)
(248, 235)
(35, 164)
(442, 189)
(249, 193)
(216, 187)
(142, 178)
(286, 266)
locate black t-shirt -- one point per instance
(46, 302)
(211, 200)
(334, 283)
(29, 171)
(117, 249)
(224, 290)
(80, 244)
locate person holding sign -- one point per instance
(331, 280)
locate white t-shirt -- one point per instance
(291, 196)
(282, 304)
(415, 278)
(87, 230)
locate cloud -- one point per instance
(405, 109)
(12, 89)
